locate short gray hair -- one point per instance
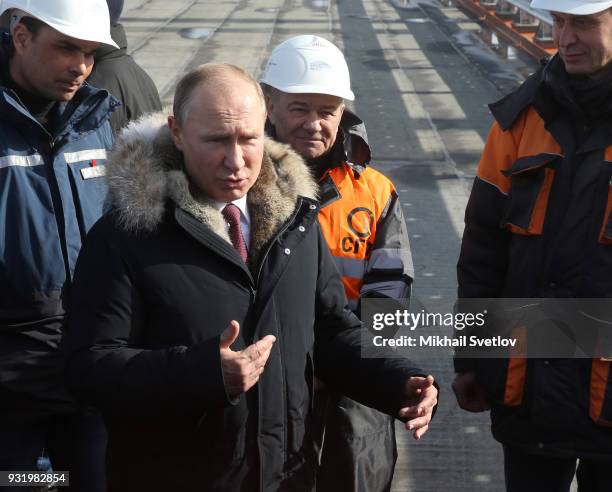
(215, 74)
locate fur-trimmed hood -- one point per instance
(145, 172)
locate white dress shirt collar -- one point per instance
(241, 203)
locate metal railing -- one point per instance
(523, 5)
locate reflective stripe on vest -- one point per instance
(21, 160)
(85, 155)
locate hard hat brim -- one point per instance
(84, 36)
(574, 7)
(313, 89)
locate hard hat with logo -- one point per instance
(575, 7)
(87, 20)
(308, 64)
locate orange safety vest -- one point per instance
(350, 221)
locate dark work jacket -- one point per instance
(538, 225)
(51, 192)
(157, 283)
(117, 72)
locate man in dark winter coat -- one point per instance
(362, 221)
(118, 73)
(208, 300)
(54, 135)
(539, 225)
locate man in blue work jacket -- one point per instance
(54, 136)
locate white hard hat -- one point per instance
(574, 7)
(87, 20)
(308, 64)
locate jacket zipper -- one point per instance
(282, 366)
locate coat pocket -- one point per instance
(504, 379)
(88, 180)
(531, 180)
(600, 393)
(605, 234)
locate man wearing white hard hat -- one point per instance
(54, 135)
(538, 224)
(306, 82)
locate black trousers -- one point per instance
(531, 473)
(75, 443)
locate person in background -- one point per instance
(538, 224)
(116, 71)
(54, 135)
(306, 82)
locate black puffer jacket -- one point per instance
(157, 283)
(118, 73)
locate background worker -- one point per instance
(116, 71)
(306, 82)
(538, 224)
(54, 135)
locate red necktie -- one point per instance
(231, 213)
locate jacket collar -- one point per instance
(507, 110)
(355, 140)
(87, 111)
(545, 89)
(548, 90)
(145, 176)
